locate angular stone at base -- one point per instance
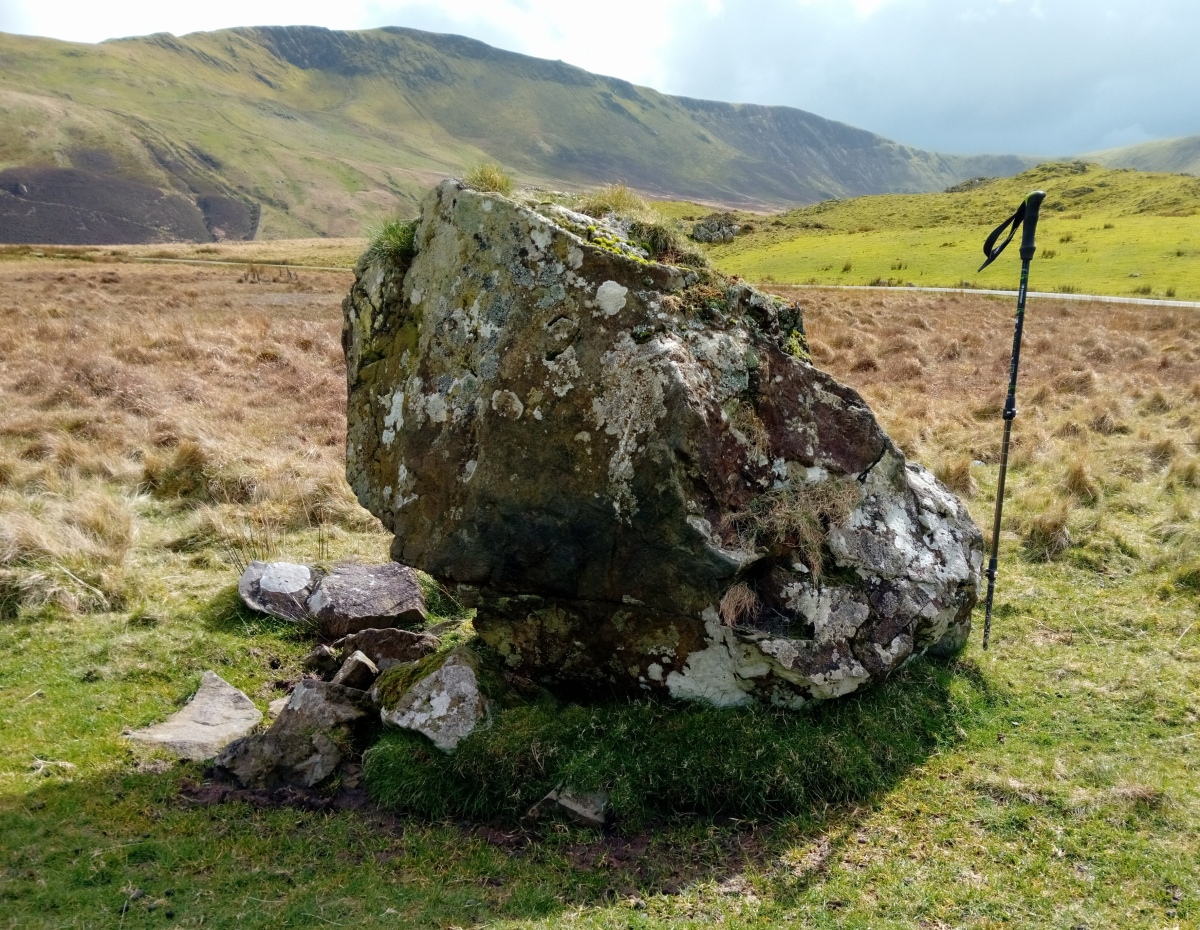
(357, 672)
(586, 808)
(303, 745)
(216, 715)
(446, 705)
(388, 647)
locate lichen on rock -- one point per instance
(570, 435)
(440, 698)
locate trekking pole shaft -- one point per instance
(1010, 414)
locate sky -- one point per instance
(1035, 77)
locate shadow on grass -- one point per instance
(656, 760)
(225, 612)
(83, 849)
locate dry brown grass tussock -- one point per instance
(155, 394)
(1107, 401)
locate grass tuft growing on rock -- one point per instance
(395, 241)
(618, 199)
(489, 177)
(796, 516)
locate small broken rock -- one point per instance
(280, 589)
(357, 672)
(217, 714)
(389, 647)
(321, 659)
(302, 747)
(587, 808)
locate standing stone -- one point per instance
(632, 470)
(355, 597)
(216, 714)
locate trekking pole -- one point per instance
(1026, 213)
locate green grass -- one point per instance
(655, 760)
(1102, 231)
(1050, 782)
(395, 240)
(488, 176)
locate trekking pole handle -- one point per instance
(1033, 204)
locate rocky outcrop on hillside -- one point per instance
(632, 470)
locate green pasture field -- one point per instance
(1102, 231)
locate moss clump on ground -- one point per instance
(658, 759)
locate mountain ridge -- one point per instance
(1180, 155)
(301, 130)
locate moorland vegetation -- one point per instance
(163, 424)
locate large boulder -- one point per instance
(633, 471)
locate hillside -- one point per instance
(1173, 155)
(1103, 231)
(300, 131)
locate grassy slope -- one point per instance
(1102, 231)
(1059, 787)
(1182, 154)
(333, 130)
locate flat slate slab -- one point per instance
(355, 597)
(216, 715)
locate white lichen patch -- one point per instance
(394, 419)
(507, 404)
(709, 674)
(723, 357)
(436, 408)
(564, 371)
(610, 297)
(541, 236)
(445, 706)
(627, 407)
